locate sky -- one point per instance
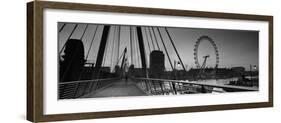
(235, 47)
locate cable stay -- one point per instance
(124, 59)
(149, 31)
(165, 48)
(68, 38)
(155, 38)
(148, 44)
(86, 59)
(118, 46)
(94, 35)
(81, 72)
(62, 27)
(175, 48)
(84, 32)
(119, 58)
(146, 35)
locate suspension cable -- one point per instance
(149, 50)
(175, 48)
(84, 32)
(118, 46)
(68, 38)
(165, 48)
(151, 38)
(155, 38)
(92, 43)
(119, 58)
(146, 35)
(62, 27)
(88, 52)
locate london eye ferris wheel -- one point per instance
(196, 55)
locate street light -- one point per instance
(251, 72)
(255, 67)
(179, 64)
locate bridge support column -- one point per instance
(103, 42)
(142, 50)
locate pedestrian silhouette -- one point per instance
(126, 78)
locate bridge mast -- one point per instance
(142, 53)
(102, 47)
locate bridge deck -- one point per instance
(117, 89)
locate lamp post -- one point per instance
(251, 72)
(179, 64)
(176, 64)
(255, 67)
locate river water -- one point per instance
(217, 81)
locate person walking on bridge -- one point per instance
(126, 68)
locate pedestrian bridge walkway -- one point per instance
(118, 89)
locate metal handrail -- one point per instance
(76, 89)
(202, 84)
(84, 81)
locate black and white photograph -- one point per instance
(105, 60)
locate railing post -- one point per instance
(160, 84)
(171, 87)
(179, 89)
(76, 90)
(150, 87)
(155, 89)
(203, 90)
(85, 88)
(146, 84)
(91, 86)
(174, 87)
